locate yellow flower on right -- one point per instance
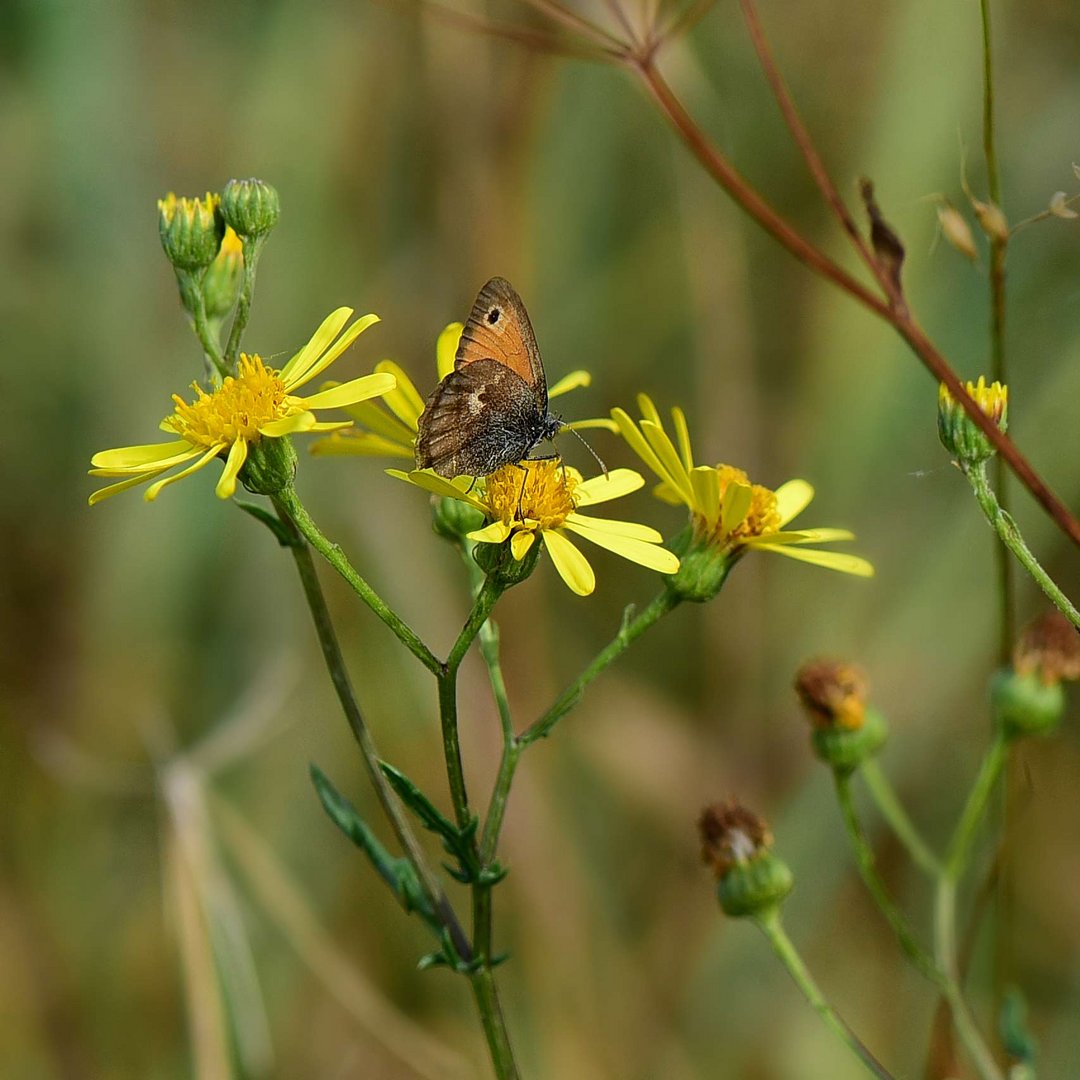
(727, 512)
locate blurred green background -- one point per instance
(413, 162)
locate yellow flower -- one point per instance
(541, 499)
(388, 428)
(727, 512)
(958, 432)
(258, 402)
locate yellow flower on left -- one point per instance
(258, 402)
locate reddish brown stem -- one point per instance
(894, 310)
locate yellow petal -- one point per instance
(321, 363)
(300, 421)
(437, 485)
(649, 411)
(359, 444)
(637, 442)
(665, 451)
(736, 505)
(495, 533)
(831, 560)
(804, 536)
(705, 481)
(158, 455)
(446, 349)
(114, 489)
(792, 499)
(645, 554)
(570, 382)
(349, 393)
(599, 489)
(154, 490)
(520, 543)
(405, 385)
(601, 423)
(226, 486)
(668, 494)
(376, 419)
(682, 434)
(306, 357)
(572, 566)
(618, 528)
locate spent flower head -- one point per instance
(541, 500)
(845, 729)
(728, 514)
(255, 404)
(1050, 647)
(389, 428)
(958, 432)
(737, 845)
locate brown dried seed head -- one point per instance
(731, 836)
(1049, 645)
(833, 693)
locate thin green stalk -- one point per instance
(288, 504)
(487, 1001)
(191, 295)
(628, 633)
(945, 904)
(512, 749)
(339, 676)
(1010, 536)
(770, 925)
(892, 810)
(252, 250)
(864, 858)
(482, 607)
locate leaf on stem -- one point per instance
(398, 873)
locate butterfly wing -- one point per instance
(498, 329)
(480, 417)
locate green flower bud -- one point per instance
(845, 749)
(270, 466)
(737, 844)
(703, 567)
(221, 282)
(497, 561)
(191, 230)
(957, 430)
(251, 207)
(453, 519)
(1025, 704)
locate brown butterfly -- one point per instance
(492, 409)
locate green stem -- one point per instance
(945, 951)
(771, 927)
(491, 1017)
(482, 607)
(511, 755)
(892, 810)
(288, 504)
(945, 904)
(1010, 536)
(628, 633)
(191, 296)
(864, 857)
(339, 676)
(964, 834)
(252, 249)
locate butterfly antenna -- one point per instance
(599, 460)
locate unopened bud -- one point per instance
(958, 432)
(191, 230)
(221, 282)
(252, 207)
